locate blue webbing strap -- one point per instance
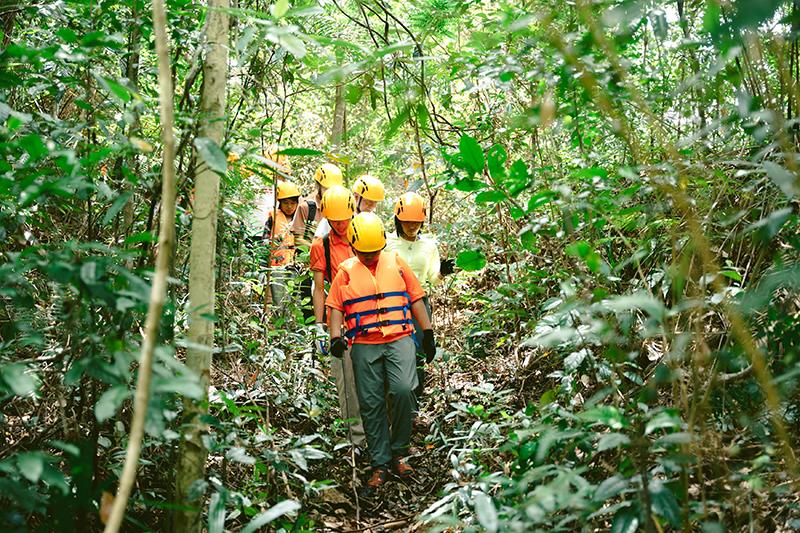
(351, 334)
(377, 297)
(380, 311)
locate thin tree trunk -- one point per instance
(192, 454)
(166, 240)
(337, 133)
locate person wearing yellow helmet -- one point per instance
(373, 298)
(306, 220)
(327, 253)
(278, 235)
(421, 252)
(309, 213)
(367, 191)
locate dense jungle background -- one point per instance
(617, 180)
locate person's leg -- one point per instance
(304, 291)
(401, 374)
(420, 354)
(342, 370)
(368, 364)
(278, 280)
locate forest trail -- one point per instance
(603, 195)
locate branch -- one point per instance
(166, 237)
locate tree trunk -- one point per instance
(192, 454)
(337, 133)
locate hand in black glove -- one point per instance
(428, 345)
(338, 347)
(446, 266)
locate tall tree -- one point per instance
(192, 453)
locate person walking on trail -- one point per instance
(368, 191)
(374, 297)
(278, 234)
(422, 254)
(327, 253)
(306, 220)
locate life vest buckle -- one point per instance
(382, 311)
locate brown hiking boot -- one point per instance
(379, 477)
(401, 467)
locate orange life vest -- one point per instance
(282, 239)
(375, 302)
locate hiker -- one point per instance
(327, 253)
(367, 191)
(422, 254)
(278, 234)
(305, 223)
(373, 297)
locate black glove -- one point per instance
(446, 266)
(338, 347)
(428, 345)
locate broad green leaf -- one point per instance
(625, 521)
(34, 145)
(785, 180)
(612, 440)
(353, 94)
(116, 207)
(17, 379)
(607, 415)
(665, 419)
(471, 260)
(216, 513)
(31, 465)
(262, 519)
(769, 226)
(300, 152)
(292, 44)
(398, 120)
(67, 34)
(496, 159)
(120, 91)
(110, 401)
(212, 154)
(279, 8)
(711, 17)
(664, 503)
(490, 196)
(469, 185)
(732, 274)
(610, 487)
(486, 512)
(541, 198)
(423, 117)
(472, 154)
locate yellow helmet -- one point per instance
(287, 189)
(369, 187)
(329, 175)
(365, 233)
(338, 204)
(410, 208)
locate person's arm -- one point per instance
(318, 297)
(434, 261)
(420, 314)
(337, 318)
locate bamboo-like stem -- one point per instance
(158, 292)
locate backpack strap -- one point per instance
(309, 222)
(326, 244)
